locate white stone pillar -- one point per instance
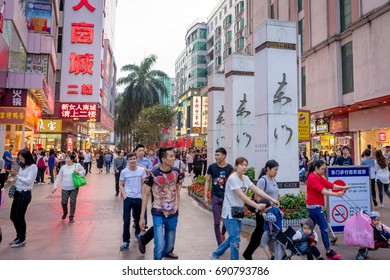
(239, 106)
(276, 101)
(215, 115)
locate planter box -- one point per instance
(292, 223)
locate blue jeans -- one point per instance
(128, 204)
(51, 174)
(164, 235)
(318, 217)
(380, 188)
(108, 166)
(233, 227)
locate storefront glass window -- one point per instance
(17, 55)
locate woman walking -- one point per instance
(237, 186)
(382, 175)
(41, 164)
(316, 186)
(266, 183)
(100, 161)
(68, 188)
(24, 182)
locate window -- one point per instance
(301, 5)
(61, 5)
(301, 31)
(345, 14)
(59, 41)
(303, 81)
(240, 43)
(228, 36)
(202, 33)
(347, 67)
(272, 15)
(225, 9)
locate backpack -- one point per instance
(41, 162)
(251, 208)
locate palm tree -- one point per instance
(143, 84)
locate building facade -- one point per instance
(28, 66)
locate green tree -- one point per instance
(152, 122)
(143, 84)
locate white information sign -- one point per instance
(356, 198)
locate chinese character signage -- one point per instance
(12, 115)
(14, 98)
(82, 51)
(196, 111)
(339, 124)
(106, 120)
(39, 17)
(50, 126)
(303, 126)
(37, 63)
(80, 111)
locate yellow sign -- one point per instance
(325, 140)
(199, 142)
(50, 126)
(303, 126)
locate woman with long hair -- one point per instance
(327, 158)
(316, 187)
(266, 183)
(382, 175)
(236, 188)
(68, 188)
(24, 182)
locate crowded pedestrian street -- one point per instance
(96, 233)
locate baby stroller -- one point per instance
(380, 241)
(302, 175)
(284, 238)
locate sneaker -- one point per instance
(247, 257)
(141, 246)
(171, 255)
(271, 258)
(13, 241)
(375, 203)
(213, 257)
(18, 244)
(71, 221)
(64, 217)
(124, 246)
(332, 255)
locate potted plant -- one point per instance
(294, 209)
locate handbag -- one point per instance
(11, 191)
(237, 212)
(78, 180)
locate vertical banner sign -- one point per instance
(82, 51)
(196, 111)
(356, 198)
(303, 126)
(276, 102)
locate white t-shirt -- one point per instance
(134, 180)
(231, 199)
(382, 174)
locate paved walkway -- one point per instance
(97, 231)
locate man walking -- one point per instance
(217, 173)
(164, 182)
(131, 184)
(88, 161)
(190, 161)
(119, 165)
(7, 156)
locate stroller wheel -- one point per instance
(360, 257)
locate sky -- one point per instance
(145, 27)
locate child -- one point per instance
(377, 224)
(272, 224)
(307, 240)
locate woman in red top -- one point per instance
(316, 188)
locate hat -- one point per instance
(374, 214)
(308, 222)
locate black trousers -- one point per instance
(254, 243)
(190, 167)
(87, 167)
(117, 182)
(18, 213)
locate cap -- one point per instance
(374, 214)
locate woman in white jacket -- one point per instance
(68, 188)
(24, 182)
(382, 175)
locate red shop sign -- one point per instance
(382, 136)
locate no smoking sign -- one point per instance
(340, 213)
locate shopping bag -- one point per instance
(2, 198)
(358, 231)
(78, 180)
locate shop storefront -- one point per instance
(49, 136)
